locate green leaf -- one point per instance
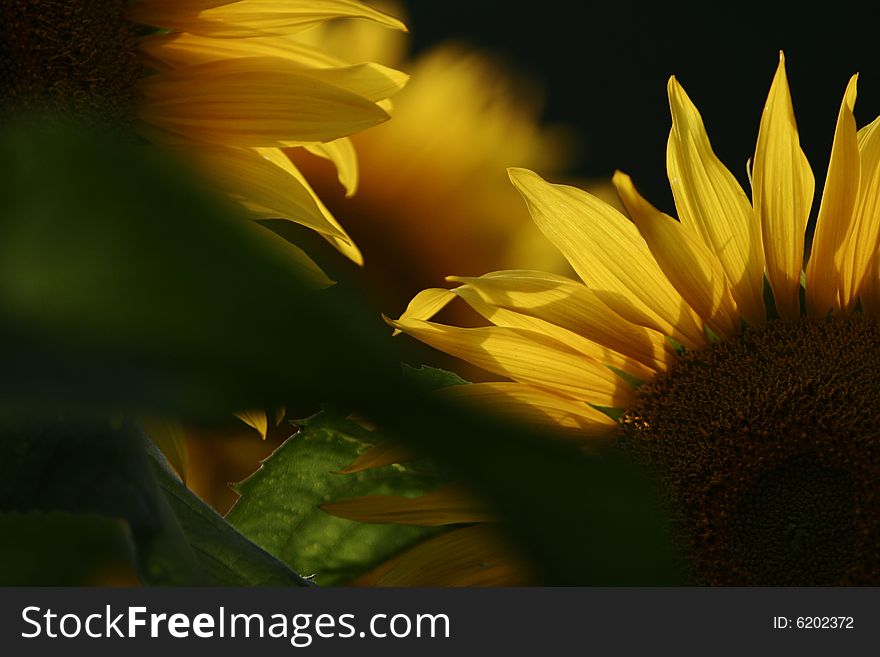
(430, 378)
(227, 557)
(278, 508)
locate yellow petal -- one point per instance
(711, 202)
(380, 455)
(426, 304)
(180, 49)
(835, 212)
(446, 506)
(340, 239)
(245, 18)
(343, 156)
(369, 80)
(515, 319)
(254, 178)
(472, 556)
(527, 357)
(517, 402)
(865, 232)
(573, 306)
(253, 101)
(610, 256)
(255, 419)
(687, 262)
(782, 187)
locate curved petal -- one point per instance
(687, 262)
(446, 506)
(253, 101)
(266, 189)
(527, 357)
(572, 306)
(711, 202)
(514, 319)
(835, 212)
(541, 409)
(342, 242)
(180, 49)
(343, 156)
(610, 256)
(246, 18)
(782, 187)
(865, 234)
(426, 304)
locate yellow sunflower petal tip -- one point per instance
(524, 180)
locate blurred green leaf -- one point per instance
(122, 281)
(278, 508)
(89, 466)
(62, 549)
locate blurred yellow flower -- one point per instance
(434, 192)
(754, 405)
(228, 83)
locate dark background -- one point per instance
(604, 68)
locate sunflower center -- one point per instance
(767, 449)
(73, 58)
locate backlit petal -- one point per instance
(343, 156)
(181, 49)
(264, 188)
(687, 262)
(255, 419)
(253, 101)
(572, 306)
(865, 232)
(835, 212)
(515, 319)
(609, 255)
(426, 304)
(242, 18)
(782, 187)
(527, 357)
(343, 243)
(711, 202)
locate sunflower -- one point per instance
(701, 348)
(226, 83)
